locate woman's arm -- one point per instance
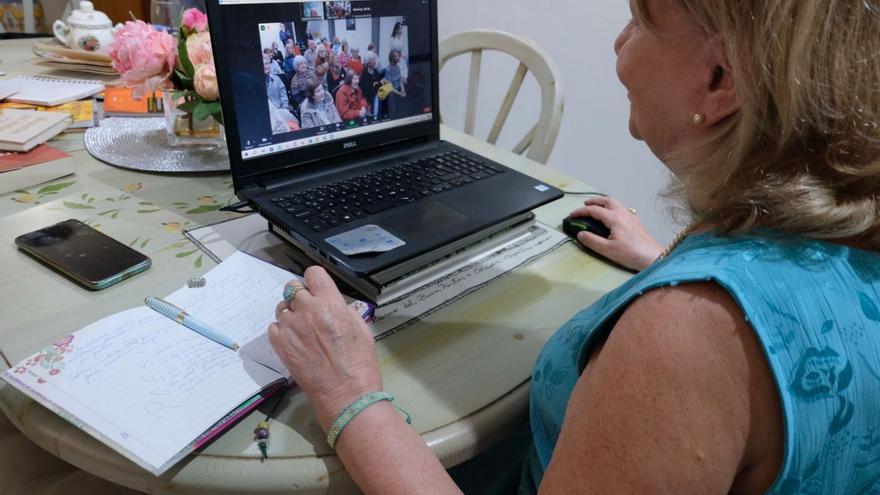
(329, 350)
(678, 400)
(386, 456)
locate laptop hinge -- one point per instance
(248, 193)
(317, 168)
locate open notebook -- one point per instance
(154, 390)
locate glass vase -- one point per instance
(182, 129)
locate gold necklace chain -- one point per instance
(675, 242)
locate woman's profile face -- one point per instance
(663, 69)
(319, 93)
(355, 81)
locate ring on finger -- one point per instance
(632, 210)
(290, 292)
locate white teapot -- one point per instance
(86, 29)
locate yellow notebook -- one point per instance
(82, 111)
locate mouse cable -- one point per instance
(584, 193)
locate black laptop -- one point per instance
(351, 168)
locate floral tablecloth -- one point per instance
(157, 208)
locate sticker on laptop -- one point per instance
(542, 188)
(365, 239)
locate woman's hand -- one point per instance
(629, 244)
(326, 346)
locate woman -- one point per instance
(397, 43)
(318, 109)
(350, 99)
(708, 372)
(299, 84)
(394, 75)
(355, 63)
(275, 90)
(371, 78)
(288, 65)
(344, 55)
(274, 68)
(397, 36)
(281, 120)
(335, 74)
(276, 53)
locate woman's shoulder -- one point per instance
(683, 319)
(762, 253)
(686, 355)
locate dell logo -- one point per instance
(349, 145)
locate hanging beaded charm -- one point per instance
(261, 435)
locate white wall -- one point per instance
(361, 37)
(594, 143)
(269, 34)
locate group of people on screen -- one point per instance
(332, 82)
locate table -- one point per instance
(463, 372)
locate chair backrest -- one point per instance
(538, 143)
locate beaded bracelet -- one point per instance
(354, 409)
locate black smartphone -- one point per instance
(93, 259)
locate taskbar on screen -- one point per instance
(333, 132)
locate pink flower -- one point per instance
(205, 82)
(198, 47)
(54, 371)
(194, 19)
(143, 56)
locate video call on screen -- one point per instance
(304, 73)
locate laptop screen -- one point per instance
(308, 73)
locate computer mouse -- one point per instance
(572, 226)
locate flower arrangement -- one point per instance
(149, 59)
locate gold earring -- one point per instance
(699, 119)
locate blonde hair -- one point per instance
(802, 155)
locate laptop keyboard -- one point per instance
(330, 205)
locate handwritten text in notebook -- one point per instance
(147, 386)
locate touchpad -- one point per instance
(421, 219)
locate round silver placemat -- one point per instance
(140, 144)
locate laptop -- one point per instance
(348, 164)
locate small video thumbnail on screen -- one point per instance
(326, 71)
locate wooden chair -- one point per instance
(538, 143)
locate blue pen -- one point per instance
(165, 308)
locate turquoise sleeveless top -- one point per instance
(815, 308)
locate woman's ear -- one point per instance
(721, 97)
